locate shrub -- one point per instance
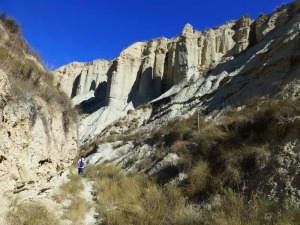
(198, 177)
(246, 15)
(70, 189)
(136, 199)
(31, 214)
(233, 208)
(77, 210)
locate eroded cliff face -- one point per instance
(38, 127)
(199, 71)
(145, 70)
(38, 141)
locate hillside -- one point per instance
(38, 127)
(214, 111)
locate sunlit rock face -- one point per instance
(145, 70)
(38, 132)
(194, 63)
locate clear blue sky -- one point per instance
(63, 31)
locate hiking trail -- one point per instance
(87, 193)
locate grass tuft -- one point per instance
(31, 214)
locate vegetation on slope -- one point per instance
(27, 76)
(136, 199)
(226, 161)
(70, 192)
(31, 214)
(232, 150)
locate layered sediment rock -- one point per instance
(37, 128)
(161, 68)
(145, 70)
(82, 77)
(38, 140)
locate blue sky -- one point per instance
(63, 31)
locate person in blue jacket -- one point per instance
(81, 165)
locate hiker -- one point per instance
(81, 165)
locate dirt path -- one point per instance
(91, 217)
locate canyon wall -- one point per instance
(145, 70)
(38, 126)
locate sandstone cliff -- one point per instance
(38, 128)
(145, 70)
(160, 68)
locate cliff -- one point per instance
(212, 74)
(146, 70)
(38, 127)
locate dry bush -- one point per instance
(228, 150)
(10, 24)
(27, 77)
(136, 199)
(144, 106)
(70, 189)
(233, 208)
(226, 210)
(31, 214)
(198, 177)
(77, 210)
(78, 207)
(236, 144)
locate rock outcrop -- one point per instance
(145, 70)
(38, 127)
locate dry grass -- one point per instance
(77, 210)
(198, 177)
(31, 214)
(78, 207)
(71, 188)
(27, 77)
(229, 150)
(144, 106)
(10, 24)
(231, 208)
(235, 145)
(136, 199)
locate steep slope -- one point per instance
(38, 127)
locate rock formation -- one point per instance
(145, 70)
(196, 71)
(38, 131)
